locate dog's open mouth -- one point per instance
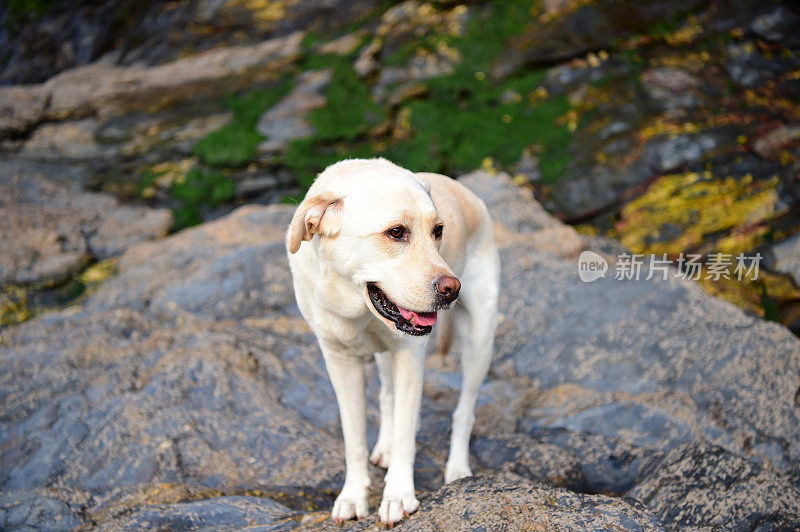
(407, 321)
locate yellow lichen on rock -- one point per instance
(264, 10)
(677, 212)
(13, 306)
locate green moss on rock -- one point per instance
(235, 144)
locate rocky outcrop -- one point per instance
(188, 392)
(489, 503)
(105, 89)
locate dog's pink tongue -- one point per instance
(418, 318)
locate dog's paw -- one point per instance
(351, 503)
(453, 472)
(396, 508)
(380, 454)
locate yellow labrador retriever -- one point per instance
(394, 253)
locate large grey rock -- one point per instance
(529, 458)
(607, 464)
(668, 154)
(660, 361)
(474, 503)
(108, 144)
(53, 40)
(489, 503)
(73, 139)
(671, 88)
(778, 25)
(514, 207)
(192, 367)
(749, 68)
(21, 108)
(587, 188)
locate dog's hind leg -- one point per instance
(475, 319)
(381, 452)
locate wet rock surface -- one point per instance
(187, 392)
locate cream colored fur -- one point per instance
(337, 243)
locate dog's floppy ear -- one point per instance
(320, 213)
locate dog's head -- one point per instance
(378, 229)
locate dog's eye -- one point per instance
(397, 232)
(437, 231)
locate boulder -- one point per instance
(29, 510)
(71, 139)
(490, 504)
(190, 379)
(229, 512)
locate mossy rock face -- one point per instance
(720, 217)
(424, 131)
(136, 31)
(591, 104)
(681, 212)
(57, 241)
(235, 143)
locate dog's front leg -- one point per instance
(346, 372)
(399, 499)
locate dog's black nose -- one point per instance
(448, 288)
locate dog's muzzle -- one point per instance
(406, 321)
